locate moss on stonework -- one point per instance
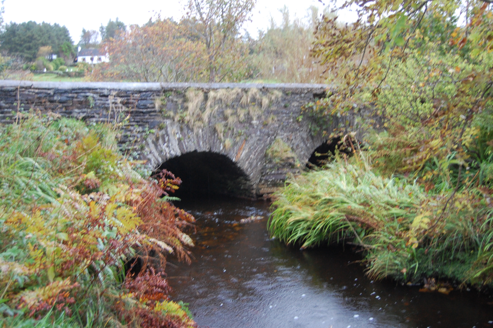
(279, 151)
(235, 105)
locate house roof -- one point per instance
(90, 52)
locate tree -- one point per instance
(111, 29)
(217, 23)
(68, 49)
(25, 39)
(283, 52)
(88, 38)
(156, 52)
(413, 51)
(386, 30)
(2, 11)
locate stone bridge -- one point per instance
(237, 139)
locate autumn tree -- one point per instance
(156, 52)
(217, 23)
(413, 49)
(282, 52)
(386, 32)
(88, 38)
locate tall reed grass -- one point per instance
(403, 229)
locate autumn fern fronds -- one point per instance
(72, 212)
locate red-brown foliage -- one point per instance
(161, 219)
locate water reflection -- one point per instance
(242, 278)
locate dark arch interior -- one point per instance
(326, 151)
(207, 174)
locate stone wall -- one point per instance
(163, 121)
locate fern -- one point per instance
(72, 212)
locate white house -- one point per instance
(92, 56)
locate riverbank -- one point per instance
(402, 228)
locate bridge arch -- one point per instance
(324, 152)
(179, 148)
(208, 174)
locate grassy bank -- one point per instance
(56, 78)
(403, 229)
(73, 213)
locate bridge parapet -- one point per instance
(244, 122)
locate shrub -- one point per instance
(83, 67)
(49, 66)
(69, 225)
(56, 63)
(39, 64)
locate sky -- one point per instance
(91, 14)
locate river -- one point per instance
(240, 277)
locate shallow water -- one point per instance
(242, 278)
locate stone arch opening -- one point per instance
(325, 153)
(319, 95)
(208, 174)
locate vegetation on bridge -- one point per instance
(418, 198)
(77, 219)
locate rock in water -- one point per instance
(251, 219)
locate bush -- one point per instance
(39, 64)
(62, 68)
(83, 67)
(57, 63)
(68, 227)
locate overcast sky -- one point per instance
(90, 14)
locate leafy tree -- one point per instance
(217, 23)
(111, 29)
(156, 52)
(385, 32)
(25, 39)
(68, 49)
(2, 11)
(391, 39)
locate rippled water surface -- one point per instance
(242, 278)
